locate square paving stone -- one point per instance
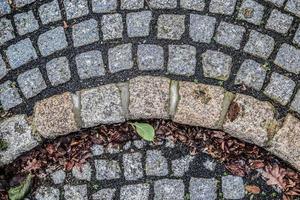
(31, 82)
(293, 7)
(280, 88)
(21, 3)
(120, 58)
(216, 65)
(90, 65)
(48, 193)
(76, 8)
(233, 187)
(26, 22)
(9, 95)
(149, 97)
(230, 35)
(202, 28)
(251, 74)
(132, 4)
(107, 169)
(251, 11)
(138, 24)
(104, 6)
(181, 166)
(170, 26)
(101, 105)
(6, 31)
(133, 167)
(182, 60)
(201, 105)
(259, 45)
(197, 5)
(288, 57)
(296, 38)
(285, 143)
(3, 68)
(4, 8)
(58, 176)
(203, 188)
(150, 57)
(50, 12)
(52, 41)
(225, 7)
(104, 194)
(253, 120)
(296, 102)
(112, 26)
(162, 4)
(279, 22)
(55, 116)
(278, 3)
(18, 134)
(20, 53)
(156, 163)
(168, 189)
(85, 33)
(82, 172)
(75, 192)
(135, 192)
(58, 71)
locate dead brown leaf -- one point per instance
(275, 176)
(253, 189)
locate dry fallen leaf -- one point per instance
(275, 176)
(253, 189)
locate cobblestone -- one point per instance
(280, 88)
(132, 4)
(135, 192)
(21, 3)
(120, 58)
(58, 71)
(181, 166)
(139, 143)
(279, 22)
(170, 27)
(251, 11)
(163, 4)
(150, 57)
(197, 5)
(230, 35)
(288, 57)
(295, 105)
(112, 26)
(296, 38)
(203, 188)
(156, 164)
(225, 7)
(52, 41)
(90, 64)
(48, 193)
(58, 177)
(133, 169)
(202, 28)
(83, 172)
(104, 194)
(107, 169)
(138, 23)
(9, 95)
(169, 189)
(278, 3)
(97, 150)
(85, 33)
(76, 8)
(26, 22)
(104, 6)
(233, 187)
(6, 31)
(50, 12)
(4, 8)
(78, 192)
(3, 68)
(292, 6)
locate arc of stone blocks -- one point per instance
(150, 97)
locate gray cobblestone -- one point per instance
(295, 105)
(139, 144)
(52, 41)
(113, 149)
(278, 3)
(169, 189)
(288, 57)
(26, 22)
(104, 194)
(293, 7)
(230, 35)
(133, 169)
(20, 53)
(31, 82)
(82, 172)
(127, 146)
(251, 11)
(132, 4)
(296, 38)
(48, 193)
(202, 28)
(150, 57)
(85, 33)
(252, 74)
(203, 188)
(259, 44)
(163, 4)
(210, 164)
(156, 164)
(4, 8)
(135, 192)
(120, 58)
(90, 64)
(197, 5)
(138, 23)
(112, 26)
(3, 68)
(225, 7)
(233, 187)
(97, 150)
(216, 65)
(280, 88)
(182, 60)
(76, 8)
(78, 192)
(9, 95)
(6, 31)
(181, 165)
(58, 176)
(50, 12)
(170, 26)
(279, 22)
(107, 169)
(104, 6)
(21, 3)
(58, 71)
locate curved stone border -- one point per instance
(146, 97)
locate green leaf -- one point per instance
(19, 192)
(146, 131)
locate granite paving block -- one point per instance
(288, 57)
(202, 28)
(50, 12)
(150, 57)
(26, 22)
(76, 8)
(6, 30)
(251, 11)
(85, 32)
(58, 71)
(170, 26)
(120, 58)
(112, 26)
(9, 95)
(279, 22)
(138, 23)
